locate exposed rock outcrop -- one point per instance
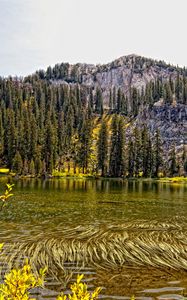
(124, 73)
(170, 120)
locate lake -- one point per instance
(130, 237)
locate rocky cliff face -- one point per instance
(124, 73)
(170, 120)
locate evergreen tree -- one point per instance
(32, 168)
(91, 100)
(173, 163)
(168, 94)
(69, 130)
(134, 99)
(114, 98)
(61, 134)
(25, 167)
(116, 164)
(17, 163)
(131, 158)
(110, 101)
(1, 138)
(185, 162)
(102, 148)
(85, 145)
(177, 87)
(38, 166)
(26, 142)
(158, 154)
(135, 153)
(124, 101)
(99, 102)
(34, 137)
(49, 146)
(44, 171)
(113, 168)
(147, 157)
(120, 148)
(10, 137)
(119, 101)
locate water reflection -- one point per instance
(104, 185)
(74, 202)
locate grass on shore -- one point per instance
(4, 170)
(72, 174)
(178, 179)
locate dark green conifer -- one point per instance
(102, 148)
(116, 163)
(131, 158)
(17, 163)
(173, 163)
(158, 154)
(32, 168)
(85, 140)
(99, 102)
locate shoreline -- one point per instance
(173, 180)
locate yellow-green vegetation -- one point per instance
(4, 171)
(80, 291)
(7, 194)
(181, 179)
(71, 173)
(97, 125)
(18, 282)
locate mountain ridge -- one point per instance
(125, 73)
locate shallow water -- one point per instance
(94, 210)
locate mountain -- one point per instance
(59, 119)
(124, 73)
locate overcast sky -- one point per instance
(38, 33)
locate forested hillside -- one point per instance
(127, 118)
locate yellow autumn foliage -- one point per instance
(18, 282)
(7, 194)
(80, 291)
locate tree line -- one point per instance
(45, 126)
(139, 155)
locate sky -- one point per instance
(37, 33)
